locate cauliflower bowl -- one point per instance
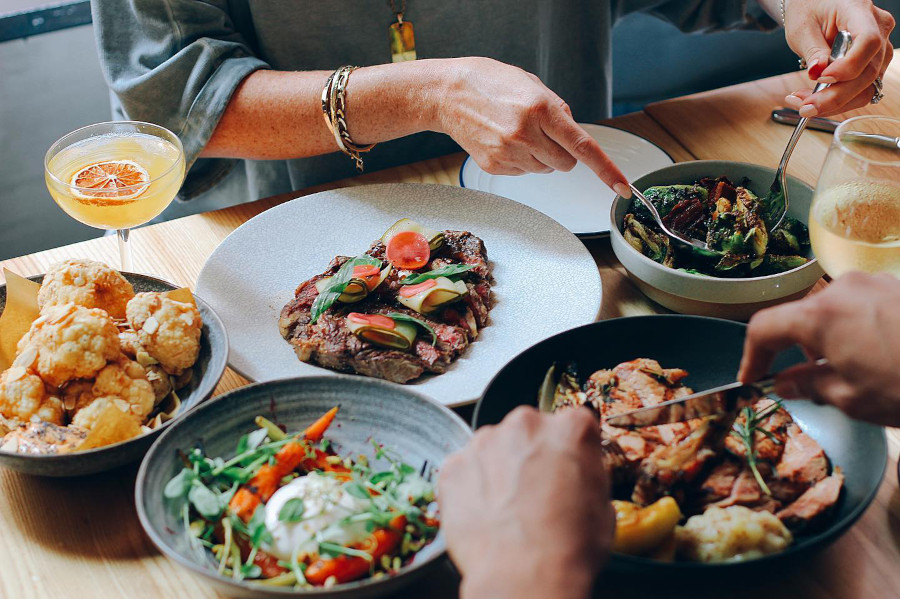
(118, 378)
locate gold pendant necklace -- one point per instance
(403, 38)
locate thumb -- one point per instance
(807, 40)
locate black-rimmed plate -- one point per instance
(208, 370)
(710, 350)
(577, 199)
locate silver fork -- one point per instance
(688, 241)
(842, 43)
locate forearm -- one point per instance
(276, 115)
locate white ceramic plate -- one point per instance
(546, 281)
(577, 199)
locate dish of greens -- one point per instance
(732, 221)
(286, 510)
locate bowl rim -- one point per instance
(721, 281)
(79, 455)
(217, 578)
(837, 527)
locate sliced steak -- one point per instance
(803, 460)
(809, 509)
(330, 344)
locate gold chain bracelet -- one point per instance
(334, 108)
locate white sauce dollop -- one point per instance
(325, 504)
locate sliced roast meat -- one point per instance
(809, 509)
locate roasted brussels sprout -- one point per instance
(732, 220)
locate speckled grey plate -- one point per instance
(207, 371)
(547, 281)
(416, 428)
(710, 350)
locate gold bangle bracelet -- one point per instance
(334, 108)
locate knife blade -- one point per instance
(711, 402)
(787, 116)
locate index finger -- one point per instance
(575, 140)
(773, 330)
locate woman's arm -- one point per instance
(506, 118)
(276, 115)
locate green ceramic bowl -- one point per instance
(417, 429)
(688, 293)
(208, 370)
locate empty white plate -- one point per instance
(578, 200)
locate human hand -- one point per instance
(525, 507)
(810, 28)
(511, 123)
(855, 324)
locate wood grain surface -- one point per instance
(81, 538)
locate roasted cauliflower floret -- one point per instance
(124, 381)
(88, 284)
(69, 342)
(167, 329)
(88, 416)
(23, 396)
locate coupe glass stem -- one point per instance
(124, 249)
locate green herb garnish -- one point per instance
(746, 432)
(337, 284)
(292, 510)
(406, 318)
(451, 271)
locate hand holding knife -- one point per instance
(725, 399)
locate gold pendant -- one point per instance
(403, 41)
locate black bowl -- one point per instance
(208, 370)
(710, 350)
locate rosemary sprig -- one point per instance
(746, 432)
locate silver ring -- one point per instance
(802, 62)
(879, 95)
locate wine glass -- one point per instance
(854, 221)
(115, 175)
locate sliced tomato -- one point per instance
(365, 270)
(408, 250)
(376, 320)
(411, 290)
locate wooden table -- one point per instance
(81, 537)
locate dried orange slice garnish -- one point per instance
(113, 179)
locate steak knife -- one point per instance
(712, 402)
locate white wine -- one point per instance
(856, 226)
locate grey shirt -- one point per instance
(177, 62)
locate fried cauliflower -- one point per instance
(88, 284)
(167, 329)
(70, 342)
(123, 381)
(89, 416)
(23, 396)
